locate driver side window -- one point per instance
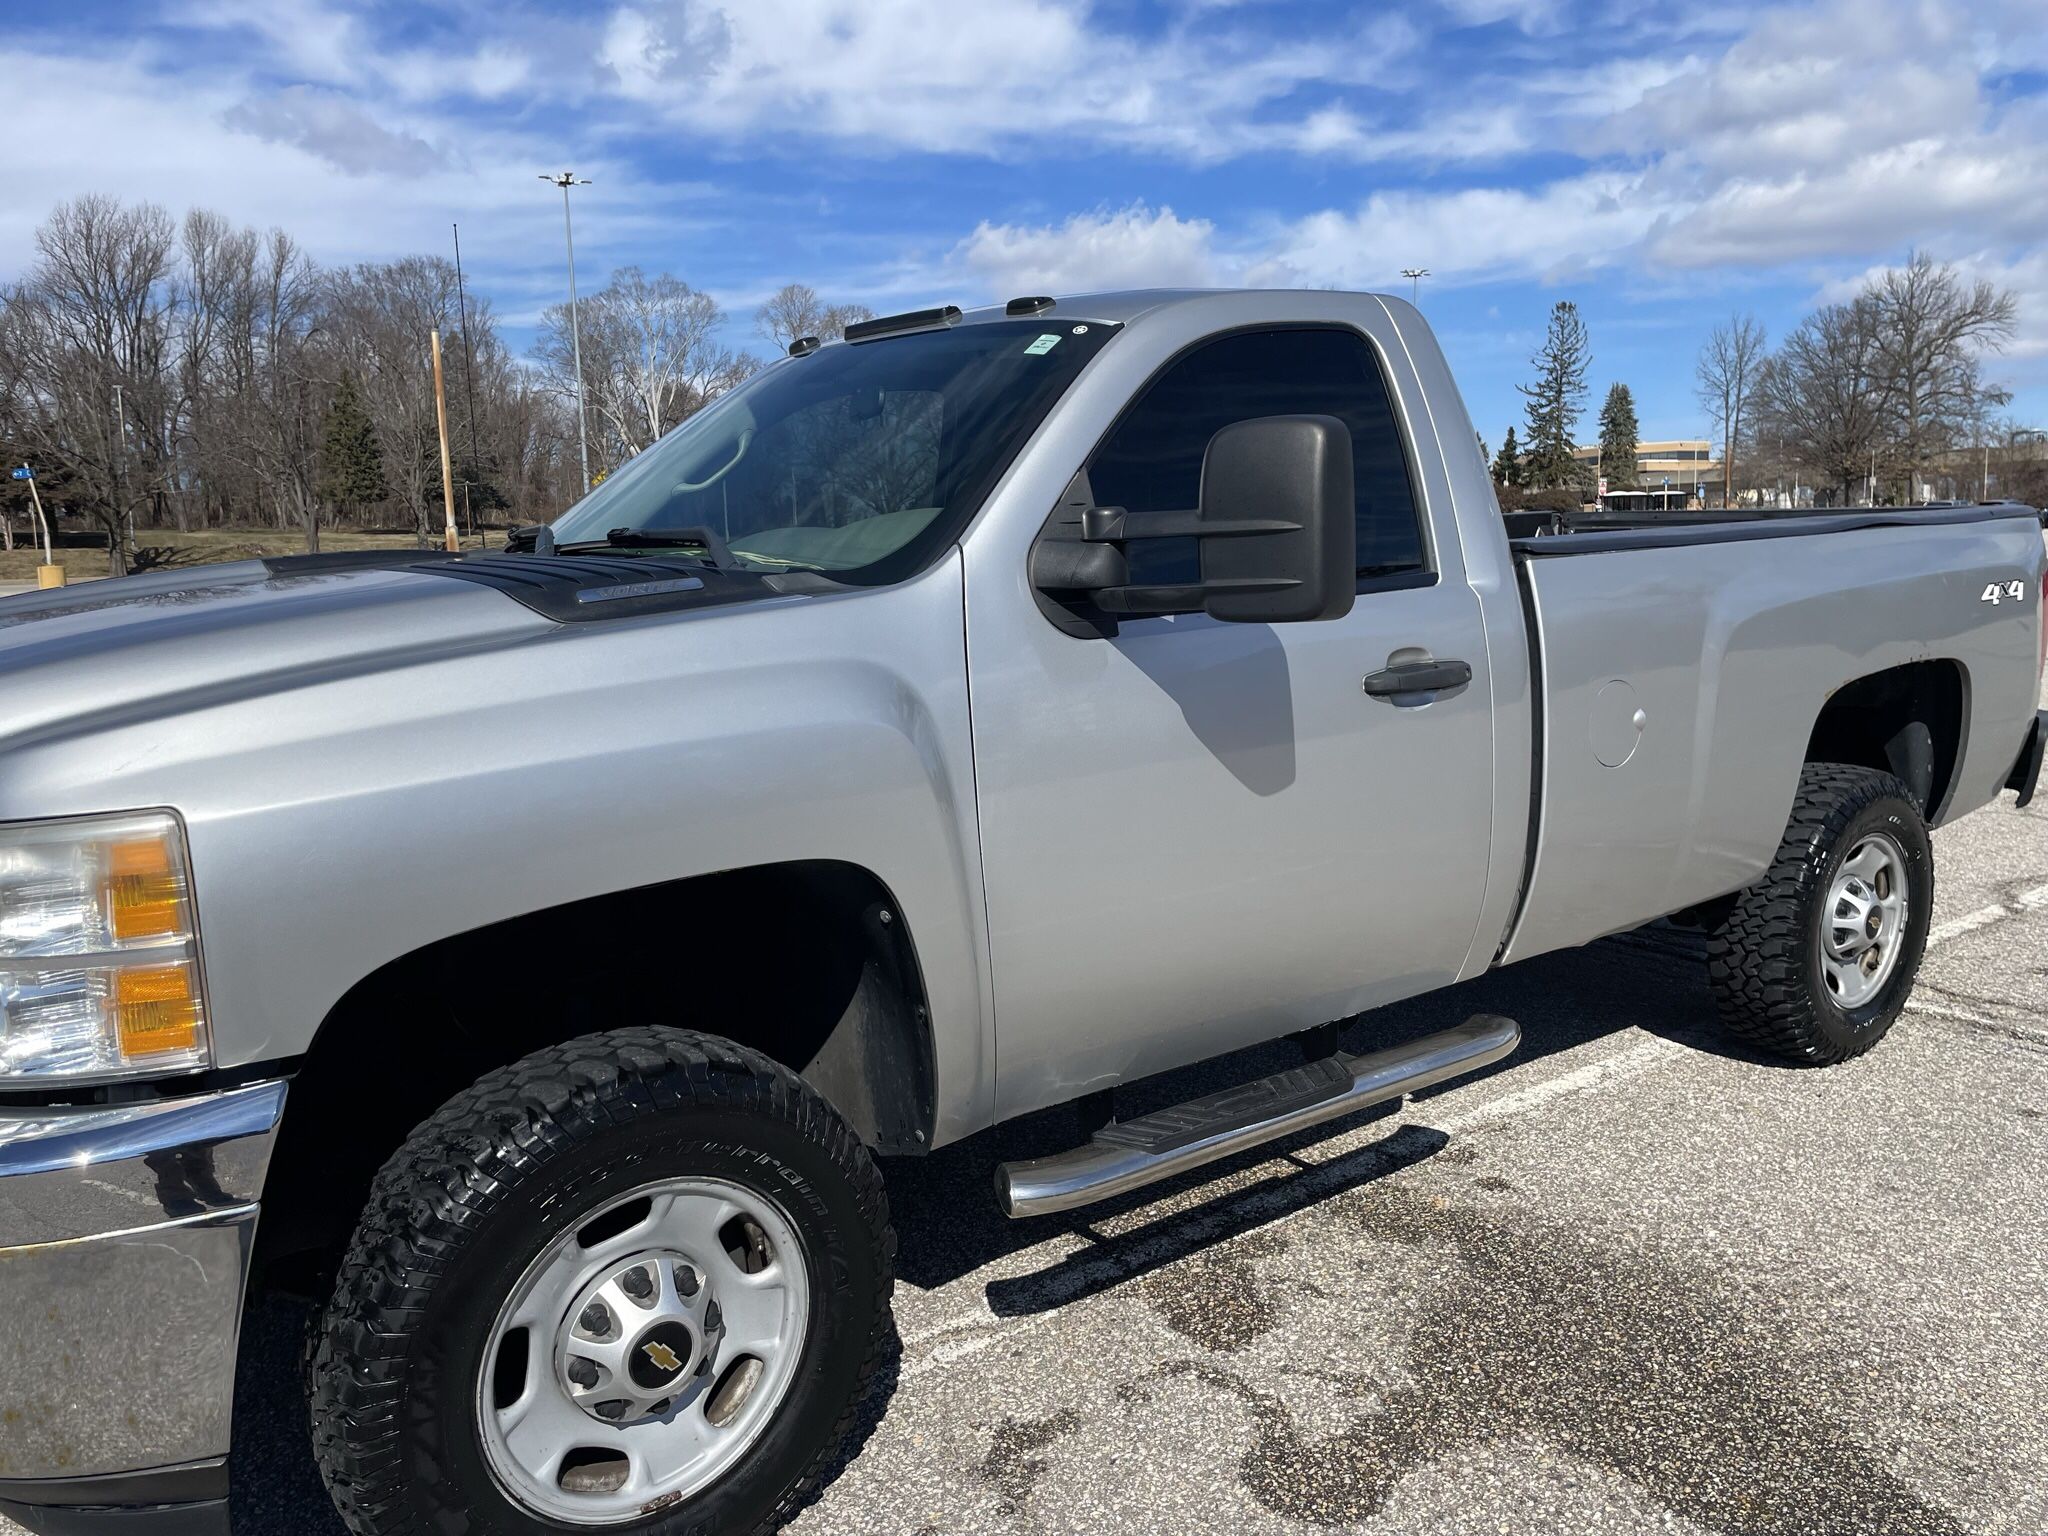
(1152, 461)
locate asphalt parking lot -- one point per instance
(1633, 1279)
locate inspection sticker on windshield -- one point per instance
(1043, 345)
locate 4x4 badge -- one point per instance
(1995, 594)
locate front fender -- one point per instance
(337, 824)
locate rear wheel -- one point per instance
(1816, 960)
(639, 1281)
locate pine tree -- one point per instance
(351, 468)
(1619, 434)
(1507, 464)
(1557, 399)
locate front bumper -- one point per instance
(125, 1234)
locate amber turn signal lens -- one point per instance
(156, 1010)
(145, 896)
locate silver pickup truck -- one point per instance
(533, 953)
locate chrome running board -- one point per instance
(1134, 1153)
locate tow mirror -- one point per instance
(1276, 525)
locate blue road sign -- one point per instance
(24, 473)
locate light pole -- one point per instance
(1415, 275)
(565, 181)
(121, 474)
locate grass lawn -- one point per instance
(205, 548)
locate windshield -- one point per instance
(859, 460)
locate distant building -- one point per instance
(1687, 463)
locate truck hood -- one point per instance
(125, 651)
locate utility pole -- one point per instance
(121, 473)
(565, 181)
(468, 379)
(447, 471)
(1415, 275)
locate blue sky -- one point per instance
(1664, 165)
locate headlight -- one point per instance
(99, 950)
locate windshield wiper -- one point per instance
(706, 539)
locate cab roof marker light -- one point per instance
(910, 320)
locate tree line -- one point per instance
(1880, 397)
(163, 373)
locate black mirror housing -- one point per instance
(1293, 471)
(1276, 525)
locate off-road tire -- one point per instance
(464, 1205)
(1764, 958)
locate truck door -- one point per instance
(1198, 835)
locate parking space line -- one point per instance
(1636, 1059)
(2027, 901)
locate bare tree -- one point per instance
(1726, 377)
(1934, 328)
(179, 371)
(1822, 396)
(277, 431)
(795, 310)
(95, 314)
(381, 316)
(651, 357)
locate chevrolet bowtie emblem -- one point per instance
(664, 1358)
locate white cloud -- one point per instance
(1133, 247)
(351, 180)
(930, 75)
(1566, 228)
(1928, 192)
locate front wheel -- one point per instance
(1815, 961)
(636, 1282)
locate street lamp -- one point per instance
(565, 181)
(1415, 275)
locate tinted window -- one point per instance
(1153, 461)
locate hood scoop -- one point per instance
(570, 589)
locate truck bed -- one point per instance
(1681, 671)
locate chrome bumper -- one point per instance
(125, 1235)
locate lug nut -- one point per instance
(637, 1283)
(686, 1280)
(713, 1318)
(583, 1373)
(615, 1409)
(596, 1318)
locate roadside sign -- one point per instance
(24, 473)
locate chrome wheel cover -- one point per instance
(644, 1352)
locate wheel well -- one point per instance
(809, 962)
(1906, 720)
